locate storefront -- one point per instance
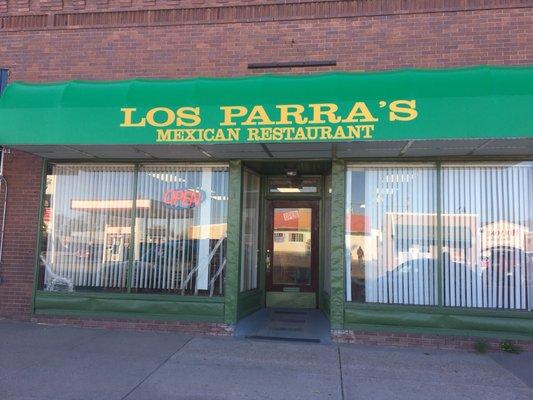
(392, 201)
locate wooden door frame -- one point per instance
(314, 205)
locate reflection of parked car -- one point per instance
(504, 259)
(157, 260)
(422, 265)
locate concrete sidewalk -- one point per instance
(57, 362)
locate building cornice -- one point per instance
(241, 13)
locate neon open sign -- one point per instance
(183, 198)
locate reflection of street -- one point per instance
(176, 243)
(292, 246)
(358, 277)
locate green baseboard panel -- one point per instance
(436, 321)
(249, 302)
(130, 306)
(291, 299)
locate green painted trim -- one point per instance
(435, 318)
(321, 236)
(337, 296)
(39, 238)
(440, 274)
(263, 223)
(133, 217)
(249, 302)
(291, 299)
(233, 252)
(125, 306)
(134, 296)
(441, 310)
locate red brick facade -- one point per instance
(421, 340)
(224, 40)
(50, 40)
(202, 328)
(23, 174)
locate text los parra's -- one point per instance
(284, 122)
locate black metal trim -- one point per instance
(292, 64)
(4, 73)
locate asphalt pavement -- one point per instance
(58, 362)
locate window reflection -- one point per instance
(487, 228)
(391, 246)
(179, 231)
(293, 185)
(250, 231)
(86, 227)
(292, 246)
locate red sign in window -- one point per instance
(183, 198)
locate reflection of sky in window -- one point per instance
(374, 192)
(99, 183)
(491, 193)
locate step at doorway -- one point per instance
(286, 324)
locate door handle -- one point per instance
(268, 260)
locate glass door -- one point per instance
(292, 253)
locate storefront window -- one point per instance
(293, 185)
(177, 244)
(487, 235)
(180, 229)
(391, 246)
(86, 227)
(250, 231)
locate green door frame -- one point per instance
(338, 181)
(266, 196)
(233, 258)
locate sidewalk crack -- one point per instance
(156, 369)
(340, 372)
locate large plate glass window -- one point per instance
(487, 235)
(250, 230)
(180, 229)
(177, 243)
(86, 228)
(391, 246)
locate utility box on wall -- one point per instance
(3, 79)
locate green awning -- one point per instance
(481, 102)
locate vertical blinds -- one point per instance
(250, 231)
(179, 240)
(487, 225)
(89, 225)
(180, 228)
(390, 238)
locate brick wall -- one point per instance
(434, 341)
(23, 174)
(431, 40)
